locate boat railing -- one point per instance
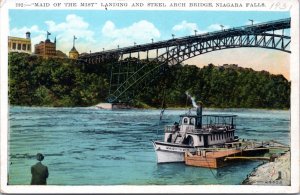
(212, 129)
(169, 128)
(218, 126)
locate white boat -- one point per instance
(193, 132)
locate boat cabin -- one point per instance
(202, 130)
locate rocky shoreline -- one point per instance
(272, 173)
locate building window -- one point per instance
(29, 47)
(192, 121)
(24, 47)
(185, 121)
(14, 45)
(19, 46)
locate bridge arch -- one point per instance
(182, 52)
(268, 35)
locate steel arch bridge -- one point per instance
(132, 64)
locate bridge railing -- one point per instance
(175, 41)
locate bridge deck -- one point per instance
(255, 28)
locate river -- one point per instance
(89, 146)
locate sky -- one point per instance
(98, 29)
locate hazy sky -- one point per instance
(98, 29)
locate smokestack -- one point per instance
(199, 109)
(199, 114)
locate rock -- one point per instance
(272, 173)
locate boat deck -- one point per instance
(221, 153)
(219, 158)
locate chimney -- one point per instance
(199, 115)
(27, 35)
(199, 109)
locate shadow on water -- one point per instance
(33, 156)
(190, 175)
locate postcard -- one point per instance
(126, 96)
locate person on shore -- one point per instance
(39, 172)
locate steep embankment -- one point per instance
(35, 81)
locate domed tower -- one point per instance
(73, 54)
(27, 35)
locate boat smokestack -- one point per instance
(199, 114)
(199, 108)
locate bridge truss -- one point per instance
(138, 65)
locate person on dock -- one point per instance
(39, 172)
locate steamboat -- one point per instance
(195, 132)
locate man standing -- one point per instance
(39, 172)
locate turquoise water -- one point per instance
(88, 146)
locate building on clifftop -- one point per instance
(46, 48)
(17, 44)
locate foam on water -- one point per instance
(101, 147)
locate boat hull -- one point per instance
(167, 153)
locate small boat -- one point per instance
(193, 132)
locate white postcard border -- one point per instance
(293, 5)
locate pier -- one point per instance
(220, 158)
(113, 106)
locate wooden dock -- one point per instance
(220, 158)
(210, 159)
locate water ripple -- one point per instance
(102, 147)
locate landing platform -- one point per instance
(113, 106)
(221, 158)
(210, 159)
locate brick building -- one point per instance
(46, 48)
